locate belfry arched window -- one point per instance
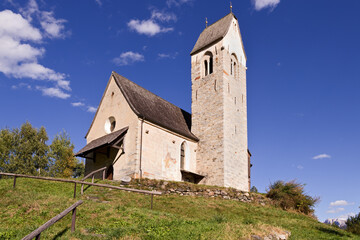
(208, 64)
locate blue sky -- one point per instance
(303, 102)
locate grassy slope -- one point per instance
(112, 214)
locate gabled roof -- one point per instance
(213, 33)
(103, 141)
(154, 109)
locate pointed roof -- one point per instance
(213, 33)
(154, 109)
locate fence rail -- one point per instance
(152, 193)
(92, 174)
(36, 234)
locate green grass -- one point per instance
(114, 214)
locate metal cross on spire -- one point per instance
(206, 22)
(230, 7)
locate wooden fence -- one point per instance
(36, 234)
(92, 174)
(152, 193)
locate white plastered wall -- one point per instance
(161, 153)
(114, 104)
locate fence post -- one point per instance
(14, 182)
(152, 196)
(82, 189)
(104, 174)
(93, 178)
(73, 220)
(75, 191)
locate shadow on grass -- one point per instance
(331, 231)
(88, 186)
(60, 234)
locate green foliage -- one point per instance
(290, 195)
(254, 189)
(62, 160)
(79, 170)
(353, 224)
(24, 150)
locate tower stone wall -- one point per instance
(219, 112)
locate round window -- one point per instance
(110, 124)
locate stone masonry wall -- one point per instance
(208, 116)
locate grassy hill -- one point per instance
(114, 214)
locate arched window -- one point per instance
(182, 156)
(208, 63)
(235, 70)
(234, 65)
(206, 67)
(231, 67)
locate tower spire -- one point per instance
(230, 7)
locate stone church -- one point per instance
(136, 133)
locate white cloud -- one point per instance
(300, 167)
(322, 156)
(177, 3)
(54, 28)
(261, 4)
(167, 55)
(21, 85)
(91, 109)
(99, 2)
(53, 92)
(151, 27)
(346, 216)
(340, 203)
(15, 27)
(163, 16)
(337, 210)
(128, 58)
(18, 53)
(77, 104)
(147, 27)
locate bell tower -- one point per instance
(219, 109)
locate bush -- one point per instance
(290, 195)
(254, 189)
(353, 224)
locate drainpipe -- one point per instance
(141, 140)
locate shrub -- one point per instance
(353, 224)
(290, 195)
(254, 189)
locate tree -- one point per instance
(290, 195)
(353, 224)
(79, 170)
(24, 150)
(62, 160)
(254, 189)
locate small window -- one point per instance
(110, 125)
(231, 67)
(211, 65)
(182, 156)
(206, 67)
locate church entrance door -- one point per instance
(110, 172)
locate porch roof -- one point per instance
(103, 141)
